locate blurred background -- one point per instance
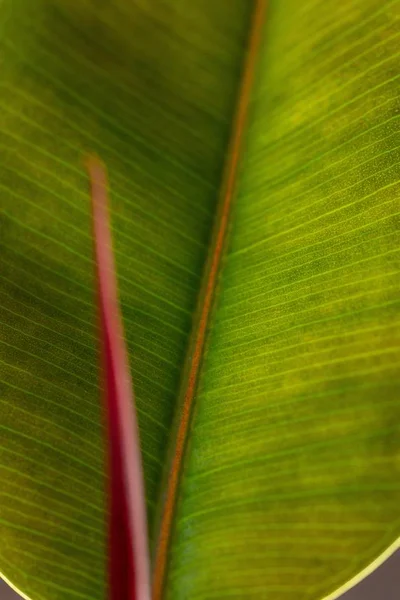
(383, 584)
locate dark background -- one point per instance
(383, 584)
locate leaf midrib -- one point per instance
(193, 359)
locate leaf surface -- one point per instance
(289, 484)
(81, 77)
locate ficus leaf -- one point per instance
(288, 481)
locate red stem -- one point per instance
(128, 562)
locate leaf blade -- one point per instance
(71, 70)
(291, 478)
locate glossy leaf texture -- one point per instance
(290, 483)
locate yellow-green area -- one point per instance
(291, 479)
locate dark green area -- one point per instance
(151, 91)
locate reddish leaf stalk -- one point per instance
(128, 562)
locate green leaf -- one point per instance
(289, 484)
